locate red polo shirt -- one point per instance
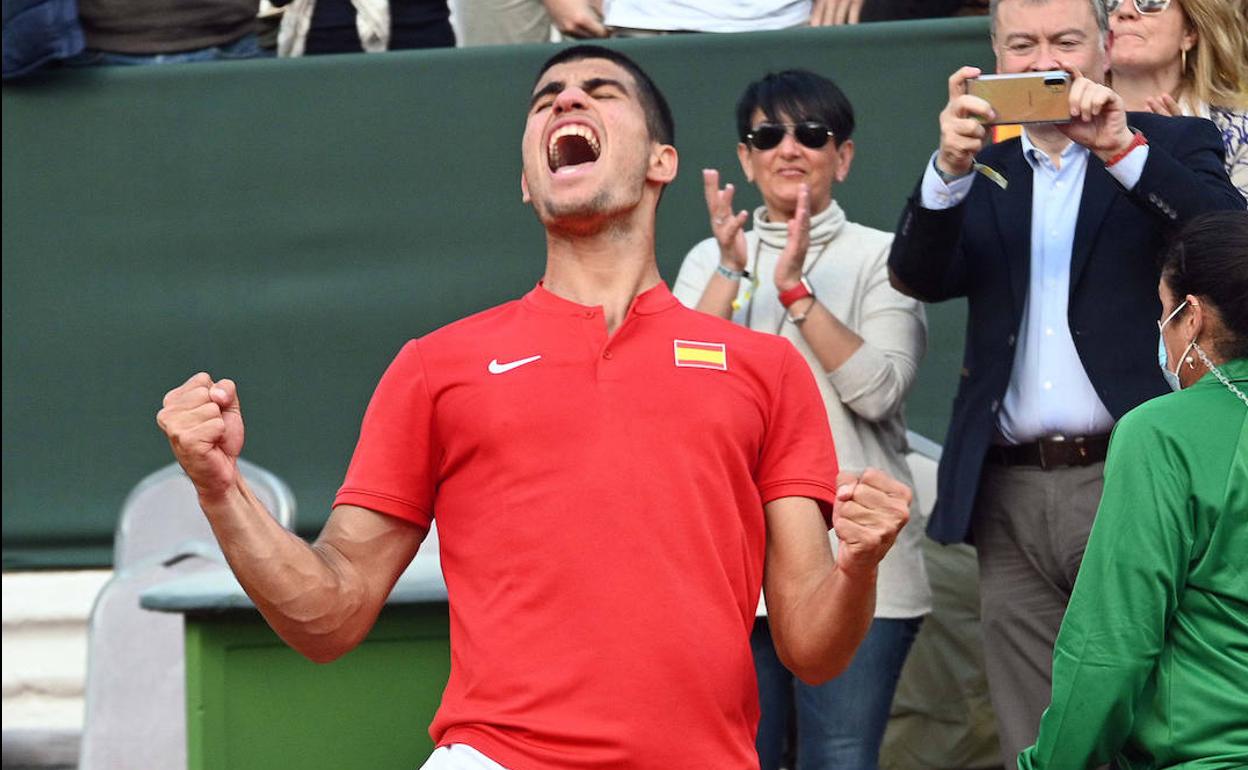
(600, 509)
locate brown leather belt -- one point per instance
(1052, 452)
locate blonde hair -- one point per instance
(1217, 65)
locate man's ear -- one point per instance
(663, 164)
(846, 152)
(743, 155)
(524, 189)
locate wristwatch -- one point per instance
(945, 176)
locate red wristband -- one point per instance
(801, 290)
(1139, 140)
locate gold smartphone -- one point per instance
(1025, 97)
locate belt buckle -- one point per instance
(1044, 458)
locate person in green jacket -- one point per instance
(1151, 664)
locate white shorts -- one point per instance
(459, 756)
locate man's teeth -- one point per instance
(573, 129)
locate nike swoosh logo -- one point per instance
(496, 368)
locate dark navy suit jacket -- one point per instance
(981, 250)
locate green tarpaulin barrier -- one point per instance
(290, 223)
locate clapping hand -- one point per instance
(791, 260)
(1163, 104)
(729, 228)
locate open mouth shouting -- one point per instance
(572, 147)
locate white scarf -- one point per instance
(824, 226)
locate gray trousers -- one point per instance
(1030, 527)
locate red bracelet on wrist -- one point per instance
(802, 289)
(1139, 140)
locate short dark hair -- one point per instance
(801, 95)
(1209, 259)
(658, 115)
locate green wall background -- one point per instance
(291, 223)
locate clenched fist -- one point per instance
(869, 513)
(204, 424)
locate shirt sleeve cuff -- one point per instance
(936, 195)
(821, 493)
(390, 506)
(1128, 170)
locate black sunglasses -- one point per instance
(810, 133)
(1146, 7)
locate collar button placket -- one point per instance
(594, 332)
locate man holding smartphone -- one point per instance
(1054, 246)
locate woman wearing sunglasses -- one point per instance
(805, 272)
(1151, 663)
(1186, 58)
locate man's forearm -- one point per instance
(820, 606)
(1180, 183)
(817, 632)
(925, 258)
(309, 594)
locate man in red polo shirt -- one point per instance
(614, 476)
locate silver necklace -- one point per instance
(1222, 378)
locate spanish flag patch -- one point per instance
(701, 355)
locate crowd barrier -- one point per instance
(290, 223)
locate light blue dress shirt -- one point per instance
(1049, 392)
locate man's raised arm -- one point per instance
(819, 607)
(323, 598)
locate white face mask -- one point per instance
(1172, 378)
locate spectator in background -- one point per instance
(634, 18)
(167, 31)
(806, 273)
(1053, 247)
(1187, 57)
(829, 12)
(311, 27)
(494, 22)
(1152, 659)
(642, 18)
(38, 34)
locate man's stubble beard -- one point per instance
(606, 209)
(597, 206)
